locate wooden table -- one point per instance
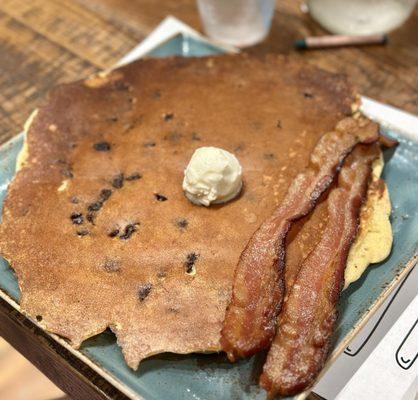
(44, 42)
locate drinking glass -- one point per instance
(361, 17)
(239, 23)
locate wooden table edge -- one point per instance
(68, 368)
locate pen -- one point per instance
(315, 42)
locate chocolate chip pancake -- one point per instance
(96, 224)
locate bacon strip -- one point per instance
(387, 141)
(307, 320)
(250, 319)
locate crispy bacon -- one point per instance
(307, 320)
(250, 319)
(387, 142)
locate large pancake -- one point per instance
(163, 280)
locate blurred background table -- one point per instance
(45, 42)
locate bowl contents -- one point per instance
(360, 17)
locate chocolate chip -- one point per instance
(269, 156)
(160, 197)
(162, 274)
(111, 265)
(105, 194)
(96, 206)
(308, 95)
(113, 119)
(156, 94)
(117, 181)
(67, 172)
(144, 291)
(82, 233)
(90, 217)
(182, 223)
(39, 318)
(113, 233)
(133, 177)
(279, 124)
(196, 137)
(102, 146)
(168, 117)
(66, 169)
(129, 230)
(150, 144)
(77, 218)
(190, 262)
(74, 200)
(121, 85)
(173, 137)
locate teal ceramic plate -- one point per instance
(207, 377)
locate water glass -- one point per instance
(239, 23)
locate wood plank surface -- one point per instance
(45, 42)
(68, 372)
(20, 380)
(386, 73)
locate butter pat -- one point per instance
(213, 175)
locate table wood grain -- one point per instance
(46, 42)
(69, 373)
(15, 369)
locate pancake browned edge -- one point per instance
(96, 225)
